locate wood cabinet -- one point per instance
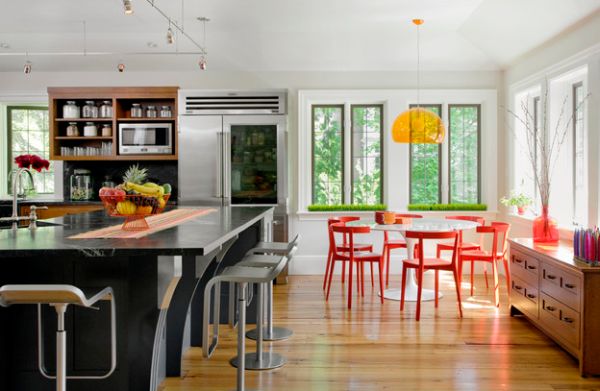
(121, 99)
(560, 296)
(59, 210)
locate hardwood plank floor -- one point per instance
(377, 347)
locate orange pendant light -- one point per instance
(418, 125)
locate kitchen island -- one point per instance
(157, 281)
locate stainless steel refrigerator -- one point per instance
(232, 150)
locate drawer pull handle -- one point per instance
(570, 286)
(550, 308)
(517, 260)
(568, 320)
(551, 277)
(531, 296)
(531, 267)
(518, 287)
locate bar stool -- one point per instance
(59, 297)
(241, 276)
(271, 333)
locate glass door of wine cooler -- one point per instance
(254, 153)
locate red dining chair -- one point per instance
(462, 246)
(499, 232)
(391, 244)
(344, 247)
(352, 257)
(422, 264)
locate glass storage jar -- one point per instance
(82, 185)
(136, 110)
(165, 112)
(72, 130)
(90, 110)
(106, 130)
(106, 109)
(71, 110)
(151, 112)
(90, 130)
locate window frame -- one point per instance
(312, 146)
(574, 88)
(8, 150)
(381, 150)
(450, 106)
(440, 106)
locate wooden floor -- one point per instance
(376, 347)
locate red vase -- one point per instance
(545, 228)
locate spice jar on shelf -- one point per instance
(72, 130)
(106, 130)
(106, 110)
(71, 110)
(165, 112)
(90, 110)
(151, 112)
(136, 110)
(90, 130)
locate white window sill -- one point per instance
(565, 232)
(313, 216)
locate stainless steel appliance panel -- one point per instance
(201, 157)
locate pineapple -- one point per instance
(135, 174)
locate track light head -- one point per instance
(127, 7)
(27, 67)
(202, 63)
(170, 36)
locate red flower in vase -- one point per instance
(32, 161)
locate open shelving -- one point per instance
(121, 99)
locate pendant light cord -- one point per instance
(418, 70)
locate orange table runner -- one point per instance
(156, 223)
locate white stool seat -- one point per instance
(50, 294)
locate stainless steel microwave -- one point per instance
(152, 139)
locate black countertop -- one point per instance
(195, 237)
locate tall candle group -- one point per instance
(586, 244)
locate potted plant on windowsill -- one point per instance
(519, 200)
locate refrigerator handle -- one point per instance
(219, 166)
(227, 166)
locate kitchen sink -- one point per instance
(25, 224)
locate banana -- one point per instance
(157, 191)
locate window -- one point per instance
(463, 139)
(366, 154)
(425, 168)
(28, 133)
(327, 153)
(362, 162)
(579, 172)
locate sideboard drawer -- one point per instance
(525, 297)
(562, 285)
(561, 320)
(525, 267)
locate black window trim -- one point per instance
(478, 106)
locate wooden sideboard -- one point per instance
(560, 296)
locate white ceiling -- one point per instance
(289, 35)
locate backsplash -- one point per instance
(159, 172)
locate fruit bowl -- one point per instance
(134, 208)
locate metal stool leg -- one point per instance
(61, 348)
(271, 333)
(261, 360)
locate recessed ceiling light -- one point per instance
(152, 44)
(4, 45)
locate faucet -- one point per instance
(17, 182)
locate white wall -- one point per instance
(574, 48)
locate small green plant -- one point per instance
(346, 207)
(519, 200)
(442, 207)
